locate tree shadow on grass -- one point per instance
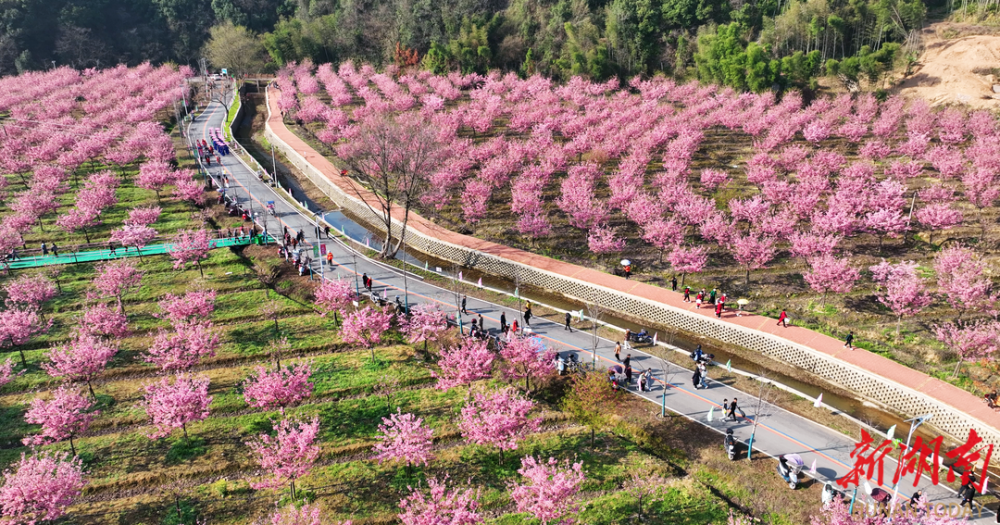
(185, 449)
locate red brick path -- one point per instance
(961, 400)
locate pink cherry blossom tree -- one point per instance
(101, 320)
(403, 437)
(603, 240)
(288, 455)
(191, 246)
(499, 418)
(40, 487)
(526, 357)
(332, 296)
(83, 359)
(280, 387)
(307, 514)
(938, 216)
(461, 365)
(188, 189)
(365, 327)
(133, 236)
(184, 346)
(30, 290)
(752, 252)
(154, 176)
(425, 323)
(65, 415)
(900, 288)
(80, 219)
(550, 488)
(192, 306)
(830, 274)
(440, 506)
(18, 326)
(962, 279)
(978, 340)
(143, 216)
(688, 260)
(7, 371)
(117, 279)
(663, 235)
(174, 405)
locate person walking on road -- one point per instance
(849, 342)
(627, 364)
(731, 412)
(968, 492)
(329, 259)
(687, 294)
(503, 322)
(618, 351)
(464, 299)
(782, 317)
(718, 310)
(568, 317)
(482, 324)
(527, 315)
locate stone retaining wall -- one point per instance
(877, 389)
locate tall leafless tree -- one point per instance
(392, 156)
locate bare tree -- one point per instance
(595, 311)
(386, 386)
(763, 404)
(392, 157)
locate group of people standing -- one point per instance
(704, 297)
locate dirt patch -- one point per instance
(955, 66)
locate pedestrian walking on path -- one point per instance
(781, 319)
(849, 342)
(711, 296)
(731, 413)
(627, 364)
(718, 310)
(673, 283)
(527, 315)
(687, 294)
(618, 352)
(568, 317)
(697, 300)
(503, 322)
(45, 249)
(464, 299)
(55, 250)
(482, 324)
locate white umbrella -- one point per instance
(626, 262)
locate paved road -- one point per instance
(779, 432)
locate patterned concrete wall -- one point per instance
(890, 394)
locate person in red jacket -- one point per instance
(781, 319)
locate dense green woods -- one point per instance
(748, 44)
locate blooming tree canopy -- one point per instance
(526, 357)
(174, 405)
(461, 365)
(191, 246)
(440, 506)
(117, 279)
(278, 388)
(65, 415)
(288, 455)
(901, 289)
(499, 418)
(40, 487)
(403, 437)
(550, 488)
(83, 359)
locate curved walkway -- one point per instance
(779, 431)
(962, 401)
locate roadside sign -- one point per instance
(225, 71)
(322, 249)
